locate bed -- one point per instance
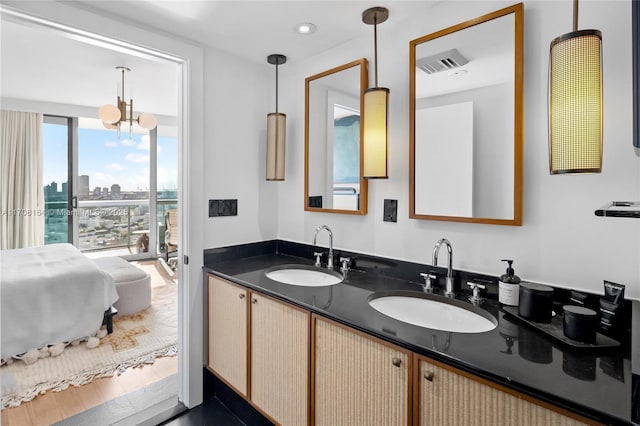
(48, 295)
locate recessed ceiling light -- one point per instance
(305, 28)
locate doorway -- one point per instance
(71, 231)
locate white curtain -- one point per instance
(22, 196)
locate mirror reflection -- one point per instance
(333, 128)
(466, 121)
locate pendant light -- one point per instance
(276, 130)
(376, 102)
(575, 101)
(112, 116)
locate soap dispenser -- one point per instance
(509, 286)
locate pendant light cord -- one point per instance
(123, 84)
(373, 16)
(276, 59)
(375, 47)
(276, 88)
(575, 15)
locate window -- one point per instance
(118, 183)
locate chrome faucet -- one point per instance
(330, 256)
(449, 280)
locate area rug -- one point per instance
(136, 340)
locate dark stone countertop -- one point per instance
(593, 383)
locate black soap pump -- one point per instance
(509, 286)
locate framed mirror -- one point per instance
(333, 140)
(466, 114)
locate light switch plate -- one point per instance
(390, 211)
(223, 208)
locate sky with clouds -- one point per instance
(108, 160)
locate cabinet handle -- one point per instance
(429, 375)
(241, 295)
(396, 362)
(254, 300)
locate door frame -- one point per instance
(71, 124)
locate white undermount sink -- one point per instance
(303, 275)
(435, 312)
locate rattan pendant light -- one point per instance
(575, 101)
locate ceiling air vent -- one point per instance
(443, 61)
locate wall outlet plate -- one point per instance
(390, 211)
(223, 208)
(315, 201)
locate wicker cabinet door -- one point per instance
(359, 380)
(445, 397)
(228, 332)
(280, 360)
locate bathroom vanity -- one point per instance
(324, 355)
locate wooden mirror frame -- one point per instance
(518, 12)
(364, 84)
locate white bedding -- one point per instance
(48, 295)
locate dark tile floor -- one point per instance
(209, 413)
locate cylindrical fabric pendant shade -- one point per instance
(575, 103)
(374, 153)
(276, 130)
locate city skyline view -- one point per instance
(112, 186)
(108, 160)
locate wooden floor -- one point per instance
(55, 406)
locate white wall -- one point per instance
(237, 100)
(322, 167)
(561, 241)
(492, 146)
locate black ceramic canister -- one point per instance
(580, 323)
(535, 302)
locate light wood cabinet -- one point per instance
(358, 379)
(300, 368)
(228, 319)
(260, 347)
(280, 360)
(444, 396)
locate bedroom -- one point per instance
(131, 176)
